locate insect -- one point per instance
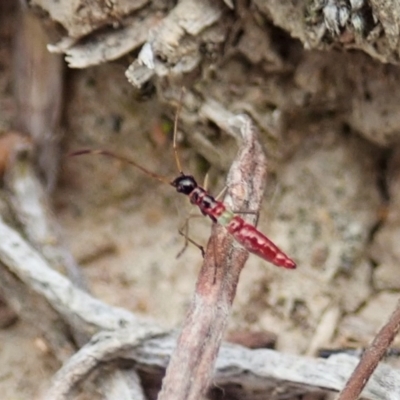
(244, 233)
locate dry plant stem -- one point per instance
(276, 375)
(371, 357)
(190, 370)
(103, 347)
(31, 205)
(80, 309)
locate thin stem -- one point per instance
(371, 357)
(192, 364)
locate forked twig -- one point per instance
(191, 366)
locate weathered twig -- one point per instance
(77, 307)
(109, 45)
(191, 366)
(104, 346)
(173, 44)
(255, 371)
(31, 205)
(371, 357)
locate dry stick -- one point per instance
(238, 370)
(371, 357)
(32, 207)
(76, 307)
(103, 347)
(191, 366)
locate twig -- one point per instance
(267, 372)
(77, 307)
(191, 366)
(371, 357)
(31, 205)
(104, 346)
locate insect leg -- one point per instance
(184, 231)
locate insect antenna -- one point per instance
(135, 164)
(174, 144)
(121, 158)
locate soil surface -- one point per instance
(322, 206)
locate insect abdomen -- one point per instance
(255, 242)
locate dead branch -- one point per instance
(31, 205)
(110, 45)
(75, 306)
(103, 347)
(262, 371)
(190, 369)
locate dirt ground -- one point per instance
(122, 227)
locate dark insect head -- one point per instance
(184, 184)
